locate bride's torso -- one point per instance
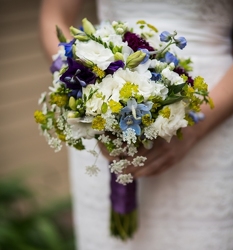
(192, 202)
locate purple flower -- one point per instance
(56, 65)
(136, 42)
(114, 66)
(68, 48)
(165, 36)
(181, 71)
(76, 77)
(181, 42)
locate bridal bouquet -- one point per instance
(123, 85)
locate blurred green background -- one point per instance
(35, 199)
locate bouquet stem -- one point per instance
(123, 214)
(123, 226)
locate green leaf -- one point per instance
(172, 99)
(48, 233)
(176, 88)
(186, 64)
(104, 107)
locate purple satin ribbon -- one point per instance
(123, 197)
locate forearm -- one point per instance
(222, 95)
(62, 13)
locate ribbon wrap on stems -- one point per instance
(123, 221)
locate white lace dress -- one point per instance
(190, 207)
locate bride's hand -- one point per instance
(164, 155)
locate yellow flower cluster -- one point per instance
(195, 102)
(115, 106)
(98, 123)
(128, 90)
(200, 84)
(146, 120)
(59, 100)
(165, 112)
(61, 136)
(99, 72)
(39, 117)
(189, 120)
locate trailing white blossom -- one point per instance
(92, 170)
(55, 143)
(139, 161)
(118, 166)
(124, 179)
(93, 152)
(129, 136)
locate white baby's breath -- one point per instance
(93, 152)
(129, 136)
(139, 161)
(55, 143)
(118, 166)
(92, 170)
(124, 179)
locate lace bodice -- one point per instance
(216, 12)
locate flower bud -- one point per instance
(72, 114)
(81, 37)
(165, 36)
(88, 27)
(72, 103)
(135, 59)
(181, 42)
(74, 31)
(118, 57)
(60, 35)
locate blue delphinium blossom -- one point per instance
(196, 117)
(155, 76)
(165, 36)
(130, 122)
(181, 42)
(137, 110)
(68, 48)
(170, 58)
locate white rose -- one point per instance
(95, 53)
(167, 127)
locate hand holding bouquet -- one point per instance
(123, 85)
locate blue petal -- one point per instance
(132, 103)
(181, 42)
(146, 51)
(170, 58)
(125, 110)
(123, 124)
(68, 48)
(155, 76)
(165, 36)
(136, 128)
